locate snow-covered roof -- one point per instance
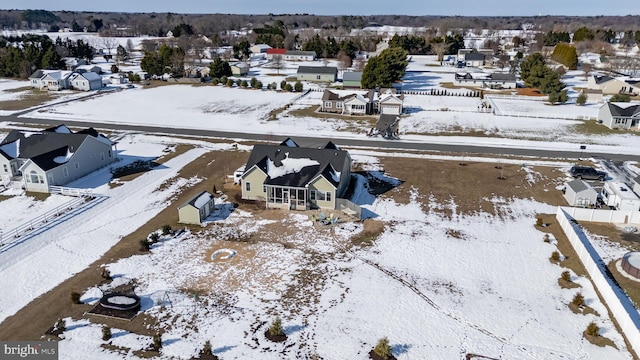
(288, 166)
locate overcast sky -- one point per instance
(343, 7)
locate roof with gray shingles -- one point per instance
(329, 157)
(328, 70)
(44, 146)
(352, 76)
(578, 185)
(624, 111)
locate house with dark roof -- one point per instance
(350, 103)
(317, 73)
(611, 86)
(196, 209)
(620, 115)
(54, 156)
(474, 59)
(288, 176)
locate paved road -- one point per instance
(374, 143)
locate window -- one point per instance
(318, 77)
(247, 186)
(264, 188)
(5, 167)
(339, 105)
(109, 153)
(102, 156)
(328, 105)
(77, 165)
(316, 195)
(65, 171)
(312, 195)
(35, 178)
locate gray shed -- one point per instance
(580, 193)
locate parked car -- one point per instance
(587, 173)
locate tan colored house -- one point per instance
(612, 86)
(240, 69)
(287, 176)
(197, 209)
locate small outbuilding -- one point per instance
(580, 193)
(197, 209)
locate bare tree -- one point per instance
(344, 61)
(277, 63)
(359, 65)
(129, 46)
(109, 43)
(439, 49)
(586, 68)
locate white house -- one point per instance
(390, 103)
(54, 156)
(620, 115)
(86, 81)
(618, 195)
(580, 193)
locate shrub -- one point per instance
(578, 300)
(566, 276)
(620, 98)
(258, 85)
(276, 328)
(157, 341)
(207, 348)
(230, 82)
(60, 325)
(539, 222)
(592, 329)
(166, 230)
(582, 99)
(215, 81)
(555, 256)
(253, 82)
(383, 349)
(244, 84)
(106, 333)
(298, 86)
(546, 238)
(154, 237)
(223, 80)
(288, 88)
(283, 84)
(75, 297)
(145, 245)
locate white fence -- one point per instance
(601, 215)
(619, 304)
(70, 191)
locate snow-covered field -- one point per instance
(437, 286)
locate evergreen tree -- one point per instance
(219, 68)
(385, 69)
